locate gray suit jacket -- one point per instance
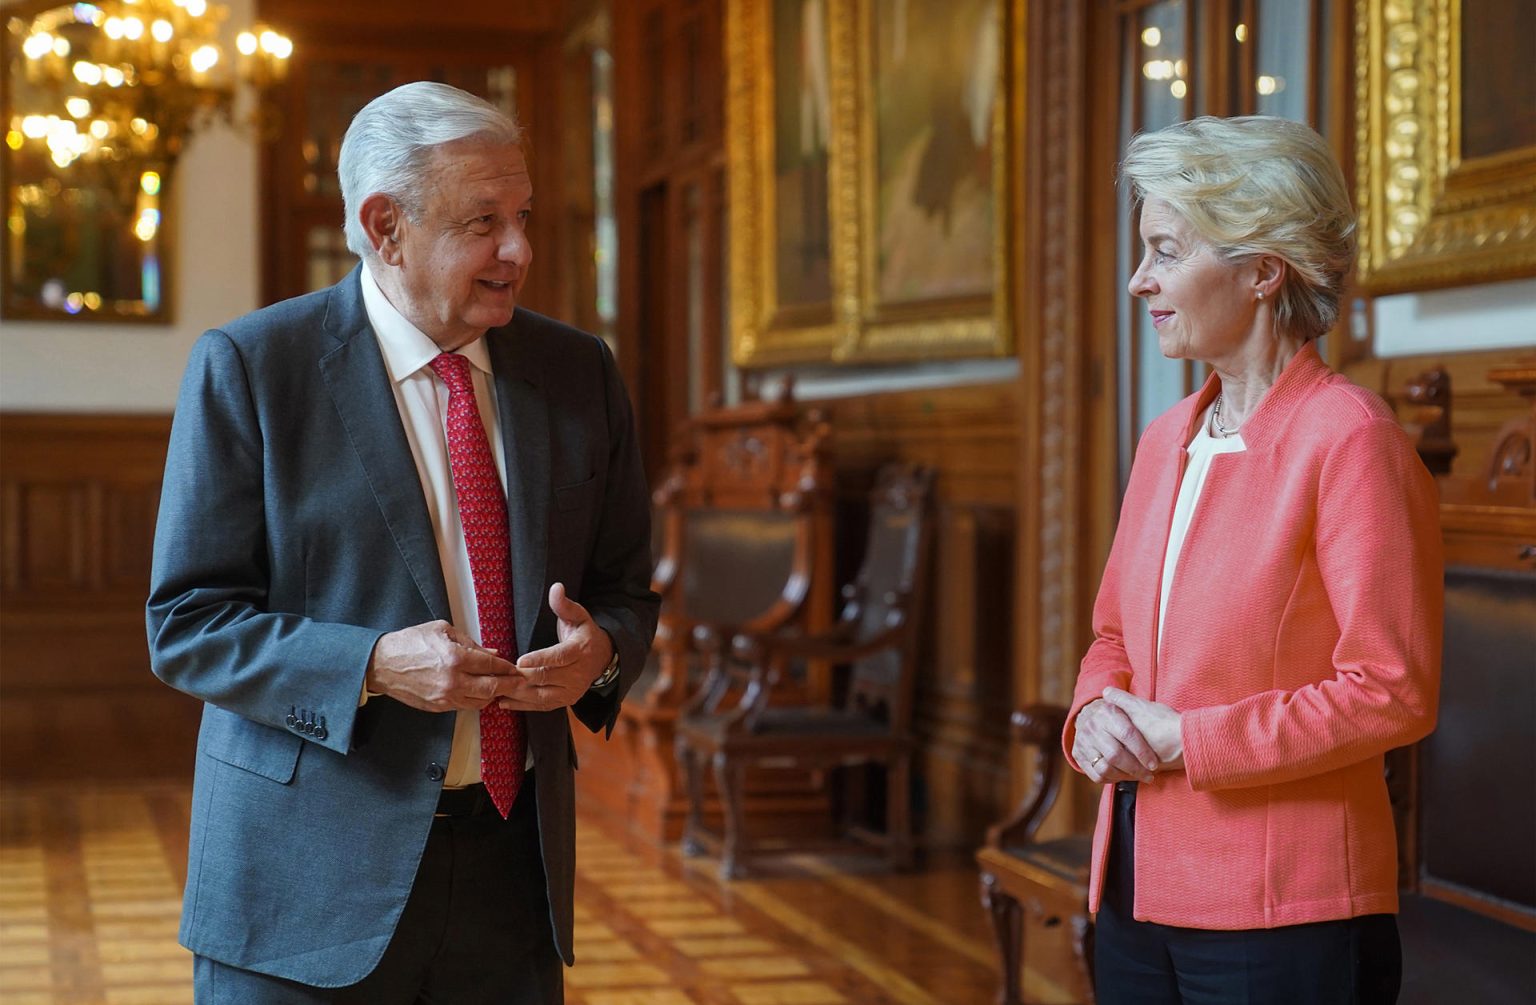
(292, 533)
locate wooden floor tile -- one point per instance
(726, 946)
(613, 951)
(90, 901)
(654, 996)
(790, 993)
(754, 967)
(609, 975)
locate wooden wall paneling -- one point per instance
(572, 259)
(668, 107)
(403, 17)
(1066, 471)
(970, 436)
(1480, 407)
(78, 498)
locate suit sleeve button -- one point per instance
(435, 771)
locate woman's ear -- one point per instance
(381, 219)
(1269, 276)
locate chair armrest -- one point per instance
(1034, 726)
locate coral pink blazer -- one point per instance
(1302, 643)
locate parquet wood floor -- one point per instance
(90, 884)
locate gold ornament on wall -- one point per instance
(1446, 173)
(867, 162)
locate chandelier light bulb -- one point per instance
(204, 59)
(78, 107)
(133, 28)
(162, 30)
(246, 43)
(37, 46)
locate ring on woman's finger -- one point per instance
(1095, 762)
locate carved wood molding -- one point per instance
(1053, 220)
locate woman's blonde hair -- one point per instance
(1257, 185)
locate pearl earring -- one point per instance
(1261, 296)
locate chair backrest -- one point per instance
(738, 562)
(745, 514)
(1479, 825)
(890, 593)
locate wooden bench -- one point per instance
(1027, 883)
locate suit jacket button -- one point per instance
(320, 732)
(292, 721)
(435, 771)
(309, 728)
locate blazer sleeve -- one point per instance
(211, 631)
(1106, 663)
(1379, 557)
(616, 587)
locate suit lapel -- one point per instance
(524, 415)
(354, 373)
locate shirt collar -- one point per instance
(405, 347)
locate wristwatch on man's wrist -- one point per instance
(610, 673)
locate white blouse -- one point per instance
(1201, 450)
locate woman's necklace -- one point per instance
(1216, 419)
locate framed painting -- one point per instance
(1446, 139)
(865, 157)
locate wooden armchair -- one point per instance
(875, 637)
(1024, 881)
(742, 537)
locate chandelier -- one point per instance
(127, 82)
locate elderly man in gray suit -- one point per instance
(404, 528)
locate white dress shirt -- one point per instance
(423, 402)
(1202, 449)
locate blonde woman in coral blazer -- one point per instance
(1269, 621)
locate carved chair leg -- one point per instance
(729, 779)
(898, 801)
(1082, 945)
(1008, 926)
(693, 773)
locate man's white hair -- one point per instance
(389, 145)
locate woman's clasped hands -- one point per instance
(1123, 738)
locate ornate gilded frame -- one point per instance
(1428, 216)
(854, 327)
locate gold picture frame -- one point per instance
(1443, 200)
(854, 286)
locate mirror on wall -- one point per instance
(98, 101)
(85, 211)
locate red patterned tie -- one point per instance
(483, 512)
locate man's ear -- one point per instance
(381, 219)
